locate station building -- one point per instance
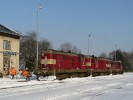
(9, 49)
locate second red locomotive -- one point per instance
(66, 64)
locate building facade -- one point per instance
(9, 50)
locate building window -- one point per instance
(6, 45)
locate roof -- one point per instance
(61, 52)
(5, 30)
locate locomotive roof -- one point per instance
(61, 52)
(101, 58)
(75, 54)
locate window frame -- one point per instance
(6, 45)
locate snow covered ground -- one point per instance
(112, 87)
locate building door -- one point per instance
(6, 65)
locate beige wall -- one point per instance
(1, 54)
(14, 59)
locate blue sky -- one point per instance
(110, 22)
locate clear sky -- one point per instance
(110, 22)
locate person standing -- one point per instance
(26, 74)
(13, 72)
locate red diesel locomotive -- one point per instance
(66, 64)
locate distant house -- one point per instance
(9, 49)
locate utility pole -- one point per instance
(38, 8)
(89, 44)
(115, 51)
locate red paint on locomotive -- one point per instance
(53, 59)
(61, 63)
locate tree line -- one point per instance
(28, 51)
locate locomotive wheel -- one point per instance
(40, 78)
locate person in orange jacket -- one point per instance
(26, 74)
(13, 72)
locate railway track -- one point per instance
(66, 89)
(90, 93)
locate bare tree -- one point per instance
(68, 47)
(44, 44)
(103, 55)
(28, 49)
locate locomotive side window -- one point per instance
(81, 58)
(93, 59)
